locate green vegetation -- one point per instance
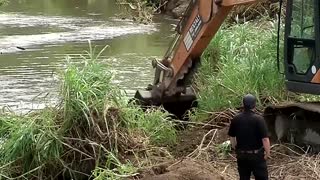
(223, 149)
(2, 2)
(241, 59)
(120, 171)
(86, 134)
(30, 144)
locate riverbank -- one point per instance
(93, 133)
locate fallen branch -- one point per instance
(200, 148)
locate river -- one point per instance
(36, 36)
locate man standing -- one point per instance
(248, 132)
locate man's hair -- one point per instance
(249, 102)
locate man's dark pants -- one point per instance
(252, 163)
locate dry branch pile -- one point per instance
(265, 8)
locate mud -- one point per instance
(184, 170)
(189, 140)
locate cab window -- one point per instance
(302, 35)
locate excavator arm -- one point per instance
(200, 23)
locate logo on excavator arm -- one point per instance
(193, 32)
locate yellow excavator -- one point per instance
(297, 123)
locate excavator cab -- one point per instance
(302, 46)
(299, 123)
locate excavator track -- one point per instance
(295, 123)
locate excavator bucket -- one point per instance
(295, 123)
(176, 105)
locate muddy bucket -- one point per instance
(177, 105)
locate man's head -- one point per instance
(249, 102)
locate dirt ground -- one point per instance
(184, 170)
(196, 158)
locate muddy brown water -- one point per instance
(36, 36)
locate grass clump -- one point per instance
(120, 171)
(90, 134)
(155, 123)
(32, 142)
(85, 89)
(241, 59)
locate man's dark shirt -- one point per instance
(249, 130)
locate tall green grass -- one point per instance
(30, 144)
(241, 59)
(156, 123)
(86, 134)
(85, 89)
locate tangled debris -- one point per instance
(263, 8)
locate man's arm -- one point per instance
(262, 126)
(266, 146)
(232, 135)
(233, 142)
